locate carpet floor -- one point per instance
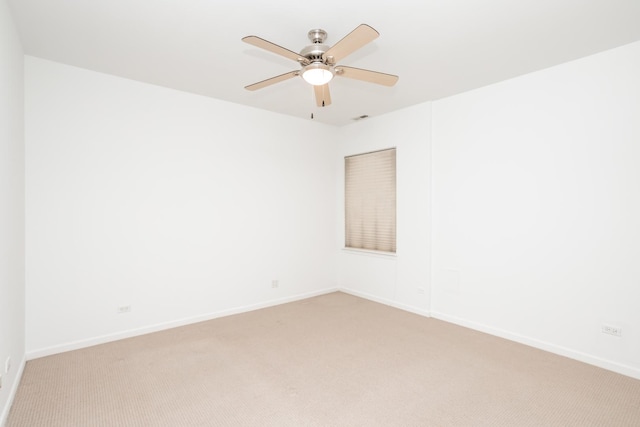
(332, 360)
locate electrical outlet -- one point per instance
(274, 284)
(7, 364)
(612, 330)
(124, 309)
(421, 291)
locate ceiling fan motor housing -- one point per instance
(315, 51)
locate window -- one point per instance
(370, 201)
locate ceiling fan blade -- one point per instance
(367, 75)
(274, 48)
(323, 97)
(273, 80)
(353, 41)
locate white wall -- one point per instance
(536, 208)
(12, 287)
(183, 207)
(403, 280)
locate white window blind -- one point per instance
(370, 201)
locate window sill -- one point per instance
(368, 252)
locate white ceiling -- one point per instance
(437, 47)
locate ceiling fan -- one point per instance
(318, 61)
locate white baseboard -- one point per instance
(542, 345)
(388, 302)
(12, 393)
(75, 345)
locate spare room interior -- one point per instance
(145, 185)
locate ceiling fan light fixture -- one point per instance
(317, 74)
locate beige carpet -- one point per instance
(333, 360)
